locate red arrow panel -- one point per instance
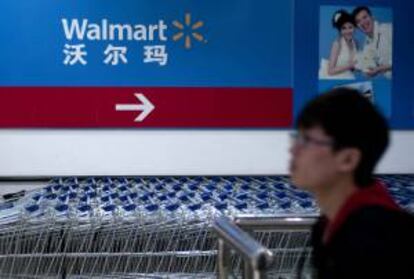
(94, 107)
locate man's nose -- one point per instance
(293, 149)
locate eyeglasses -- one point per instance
(306, 140)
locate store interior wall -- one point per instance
(44, 153)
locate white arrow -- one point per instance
(145, 107)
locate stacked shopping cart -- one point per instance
(148, 227)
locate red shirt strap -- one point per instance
(376, 194)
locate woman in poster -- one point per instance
(343, 56)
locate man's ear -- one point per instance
(348, 159)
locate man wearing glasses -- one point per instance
(362, 232)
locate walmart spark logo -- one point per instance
(188, 31)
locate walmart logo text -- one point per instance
(105, 30)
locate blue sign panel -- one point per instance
(239, 43)
(199, 44)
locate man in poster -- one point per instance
(376, 57)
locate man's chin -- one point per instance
(367, 30)
(300, 183)
(296, 180)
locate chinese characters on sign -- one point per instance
(74, 54)
(114, 55)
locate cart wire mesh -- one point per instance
(151, 227)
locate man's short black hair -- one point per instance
(359, 9)
(352, 121)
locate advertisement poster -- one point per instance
(356, 51)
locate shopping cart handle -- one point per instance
(259, 257)
(62, 207)
(32, 208)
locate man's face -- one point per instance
(365, 22)
(313, 161)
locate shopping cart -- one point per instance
(147, 227)
(267, 247)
